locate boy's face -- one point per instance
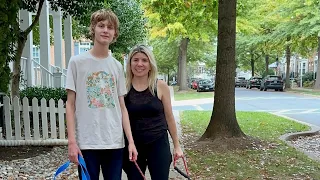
(104, 32)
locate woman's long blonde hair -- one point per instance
(153, 73)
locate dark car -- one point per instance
(272, 82)
(205, 85)
(173, 83)
(254, 82)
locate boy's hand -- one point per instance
(73, 152)
(133, 153)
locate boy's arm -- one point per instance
(73, 149)
(127, 129)
(70, 110)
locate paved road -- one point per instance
(301, 107)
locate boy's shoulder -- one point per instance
(116, 61)
(79, 57)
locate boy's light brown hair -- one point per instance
(102, 15)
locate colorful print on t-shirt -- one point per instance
(100, 90)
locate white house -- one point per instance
(37, 64)
(299, 66)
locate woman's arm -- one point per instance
(164, 95)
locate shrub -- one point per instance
(308, 77)
(44, 92)
(308, 84)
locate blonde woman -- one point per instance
(150, 112)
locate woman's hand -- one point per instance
(177, 152)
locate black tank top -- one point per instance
(146, 114)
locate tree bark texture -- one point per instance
(223, 122)
(183, 65)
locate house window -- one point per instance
(36, 53)
(84, 46)
(303, 68)
(83, 49)
(84, 43)
(200, 69)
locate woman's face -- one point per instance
(140, 64)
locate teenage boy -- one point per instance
(95, 109)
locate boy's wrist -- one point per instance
(131, 141)
(72, 141)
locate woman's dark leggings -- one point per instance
(156, 156)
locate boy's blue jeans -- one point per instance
(110, 161)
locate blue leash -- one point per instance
(84, 171)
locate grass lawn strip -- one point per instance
(306, 91)
(273, 160)
(190, 94)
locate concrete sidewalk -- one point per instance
(192, 102)
(173, 174)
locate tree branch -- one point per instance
(258, 56)
(36, 19)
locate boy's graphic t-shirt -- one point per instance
(100, 88)
(98, 83)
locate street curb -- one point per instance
(290, 136)
(302, 93)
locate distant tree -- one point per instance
(185, 21)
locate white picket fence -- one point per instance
(33, 125)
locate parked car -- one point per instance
(272, 82)
(254, 82)
(240, 81)
(205, 85)
(173, 83)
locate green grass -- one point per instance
(306, 91)
(190, 94)
(277, 161)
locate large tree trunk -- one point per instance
(267, 64)
(288, 56)
(317, 84)
(183, 66)
(252, 63)
(223, 122)
(179, 67)
(17, 66)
